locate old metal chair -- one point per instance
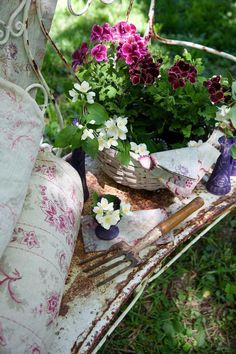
(87, 312)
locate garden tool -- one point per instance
(125, 254)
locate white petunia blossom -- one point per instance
(222, 113)
(98, 210)
(193, 143)
(102, 143)
(121, 135)
(74, 95)
(109, 220)
(83, 87)
(87, 133)
(112, 129)
(142, 150)
(134, 147)
(111, 142)
(90, 97)
(99, 218)
(121, 123)
(115, 217)
(106, 205)
(125, 208)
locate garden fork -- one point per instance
(131, 254)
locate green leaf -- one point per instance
(90, 146)
(232, 115)
(234, 90)
(229, 77)
(97, 112)
(199, 131)
(123, 154)
(111, 91)
(187, 131)
(95, 198)
(233, 152)
(65, 136)
(76, 139)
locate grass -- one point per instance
(191, 308)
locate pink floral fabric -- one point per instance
(21, 125)
(34, 266)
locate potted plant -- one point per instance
(108, 210)
(133, 100)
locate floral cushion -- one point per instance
(21, 124)
(35, 264)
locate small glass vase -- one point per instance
(105, 234)
(233, 166)
(78, 162)
(219, 181)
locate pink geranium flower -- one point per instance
(79, 55)
(99, 52)
(101, 33)
(180, 73)
(123, 29)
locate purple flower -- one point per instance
(215, 89)
(180, 73)
(132, 49)
(79, 56)
(99, 52)
(101, 33)
(145, 71)
(122, 30)
(75, 122)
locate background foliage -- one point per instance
(191, 308)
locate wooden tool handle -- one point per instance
(169, 224)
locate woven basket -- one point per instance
(133, 175)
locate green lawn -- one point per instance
(191, 308)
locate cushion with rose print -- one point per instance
(21, 124)
(34, 266)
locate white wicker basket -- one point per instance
(133, 175)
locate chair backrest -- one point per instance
(22, 42)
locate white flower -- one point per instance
(111, 142)
(106, 205)
(98, 210)
(87, 133)
(102, 143)
(121, 135)
(125, 208)
(90, 97)
(134, 147)
(115, 217)
(92, 121)
(193, 143)
(83, 87)
(142, 150)
(74, 95)
(112, 129)
(221, 115)
(121, 123)
(109, 219)
(99, 218)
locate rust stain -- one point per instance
(81, 286)
(139, 199)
